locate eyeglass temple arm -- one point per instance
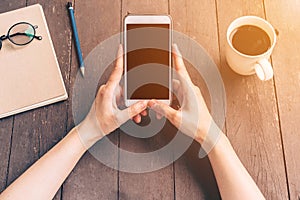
(3, 37)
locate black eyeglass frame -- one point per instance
(8, 36)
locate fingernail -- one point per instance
(138, 120)
(152, 103)
(142, 104)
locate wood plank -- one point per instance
(35, 132)
(25, 142)
(157, 184)
(284, 16)
(194, 177)
(5, 144)
(252, 117)
(96, 21)
(197, 20)
(7, 5)
(6, 125)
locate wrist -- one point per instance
(89, 129)
(74, 133)
(203, 130)
(88, 133)
(208, 137)
(220, 147)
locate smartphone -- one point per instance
(147, 59)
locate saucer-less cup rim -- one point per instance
(236, 23)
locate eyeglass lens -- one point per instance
(21, 33)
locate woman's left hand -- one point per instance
(105, 115)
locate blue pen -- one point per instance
(77, 43)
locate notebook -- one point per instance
(30, 76)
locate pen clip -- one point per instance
(69, 5)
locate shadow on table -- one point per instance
(198, 173)
(193, 177)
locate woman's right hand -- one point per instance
(193, 117)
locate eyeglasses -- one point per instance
(20, 34)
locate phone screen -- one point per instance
(148, 61)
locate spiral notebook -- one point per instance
(30, 76)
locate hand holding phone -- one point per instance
(193, 117)
(105, 115)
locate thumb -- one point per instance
(132, 111)
(164, 109)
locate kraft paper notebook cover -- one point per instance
(30, 76)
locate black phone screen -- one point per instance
(148, 61)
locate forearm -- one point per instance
(233, 180)
(43, 178)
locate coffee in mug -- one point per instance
(250, 42)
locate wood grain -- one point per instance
(194, 177)
(96, 21)
(284, 15)
(5, 138)
(252, 117)
(25, 142)
(6, 124)
(157, 184)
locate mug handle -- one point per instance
(263, 69)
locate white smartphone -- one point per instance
(147, 59)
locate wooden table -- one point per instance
(262, 119)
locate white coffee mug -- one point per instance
(247, 64)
